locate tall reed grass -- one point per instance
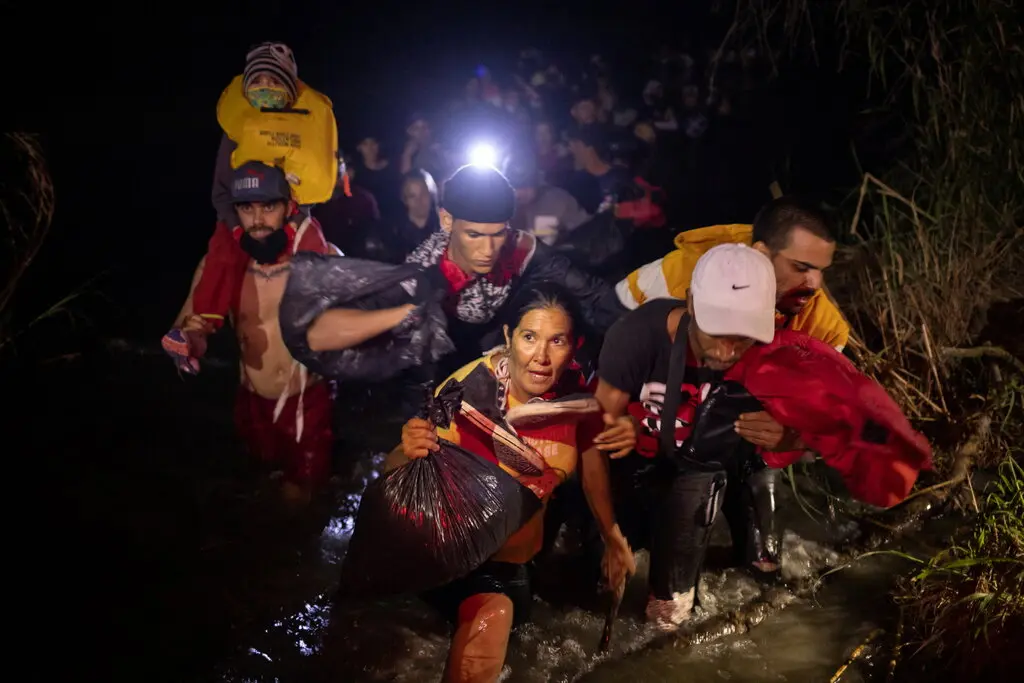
(27, 205)
(934, 241)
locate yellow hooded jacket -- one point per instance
(302, 141)
(669, 277)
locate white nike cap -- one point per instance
(733, 293)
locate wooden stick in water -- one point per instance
(609, 620)
(856, 653)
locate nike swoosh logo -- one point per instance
(743, 287)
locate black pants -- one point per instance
(680, 530)
(506, 578)
(671, 514)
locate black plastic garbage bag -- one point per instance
(318, 283)
(432, 520)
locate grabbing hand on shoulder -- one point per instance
(419, 438)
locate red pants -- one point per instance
(306, 462)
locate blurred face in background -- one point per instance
(419, 131)
(584, 112)
(369, 148)
(417, 199)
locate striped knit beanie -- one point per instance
(273, 59)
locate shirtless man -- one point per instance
(282, 412)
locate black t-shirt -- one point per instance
(635, 359)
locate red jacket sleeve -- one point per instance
(845, 416)
(217, 291)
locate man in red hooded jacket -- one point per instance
(674, 356)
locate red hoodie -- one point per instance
(839, 412)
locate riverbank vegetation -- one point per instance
(27, 205)
(962, 610)
(930, 277)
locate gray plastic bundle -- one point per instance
(318, 283)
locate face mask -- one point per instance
(266, 250)
(267, 98)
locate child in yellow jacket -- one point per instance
(268, 116)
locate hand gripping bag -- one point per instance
(433, 519)
(840, 413)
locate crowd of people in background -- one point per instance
(567, 136)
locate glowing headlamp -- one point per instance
(483, 155)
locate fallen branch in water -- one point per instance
(856, 654)
(985, 351)
(733, 622)
(897, 647)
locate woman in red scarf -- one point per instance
(533, 384)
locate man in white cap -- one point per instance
(669, 344)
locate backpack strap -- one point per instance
(300, 232)
(674, 388)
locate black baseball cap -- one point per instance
(256, 182)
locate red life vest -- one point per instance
(839, 412)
